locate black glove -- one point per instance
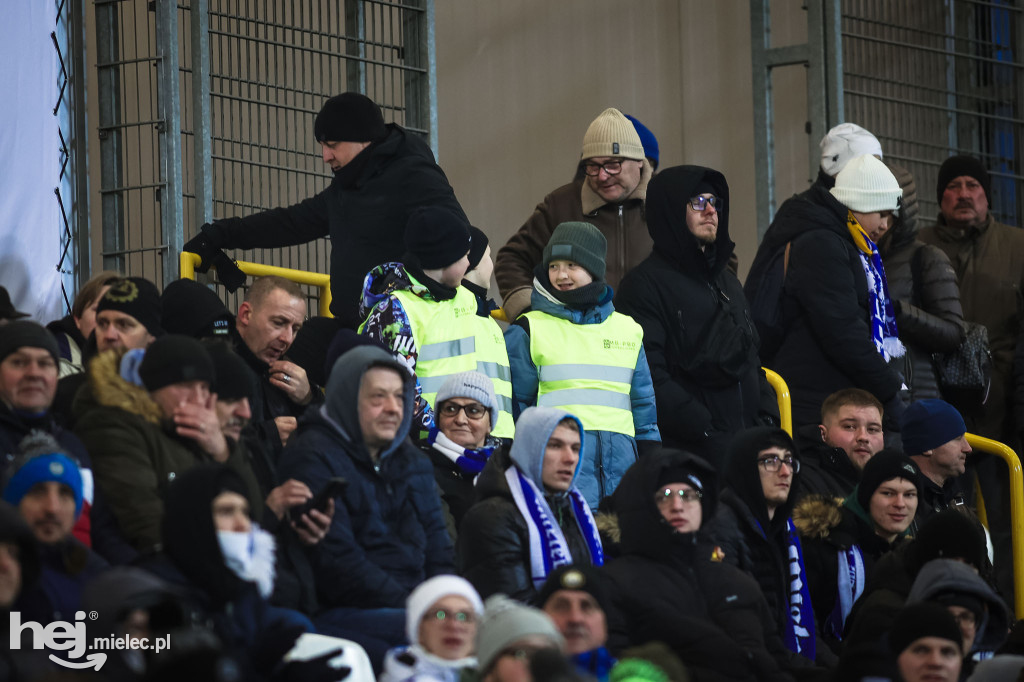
(227, 271)
(313, 670)
(206, 245)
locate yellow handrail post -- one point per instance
(1007, 454)
(782, 395)
(322, 282)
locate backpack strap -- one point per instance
(785, 260)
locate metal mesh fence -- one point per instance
(933, 79)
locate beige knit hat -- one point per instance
(612, 134)
(865, 185)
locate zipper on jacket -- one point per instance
(622, 242)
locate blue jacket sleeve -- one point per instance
(524, 372)
(641, 396)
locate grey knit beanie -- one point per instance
(581, 243)
(506, 622)
(472, 385)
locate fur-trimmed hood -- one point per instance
(815, 516)
(109, 389)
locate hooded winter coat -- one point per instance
(924, 293)
(365, 219)
(666, 587)
(137, 453)
(827, 343)
(388, 533)
(493, 547)
(705, 388)
(622, 224)
(606, 454)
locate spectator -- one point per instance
(74, 331)
(853, 536)
(8, 313)
(461, 442)
(382, 173)
(441, 623)
(612, 395)
(28, 386)
(530, 517)
(508, 638)
(143, 437)
(926, 642)
(610, 196)
(699, 342)
(388, 532)
(670, 585)
(758, 535)
(19, 572)
(46, 486)
(934, 435)
(417, 310)
(268, 320)
(574, 597)
(833, 453)
(187, 307)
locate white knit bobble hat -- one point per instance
(429, 593)
(866, 186)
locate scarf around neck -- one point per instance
(468, 461)
(883, 318)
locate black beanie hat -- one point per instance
(189, 308)
(971, 602)
(950, 534)
(137, 297)
(436, 237)
(7, 309)
(349, 117)
(234, 378)
(885, 466)
(923, 619)
(581, 243)
(477, 246)
(174, 358)
(955, 166)
(583, 577)
(21, 333)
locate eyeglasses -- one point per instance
(965, 618)
(698, 203)
(613, 167)
(474, 411)
(442, 615)
(664, 497)
(775, 462)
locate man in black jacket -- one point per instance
(381, 173)
(935, 436)
(700, 342)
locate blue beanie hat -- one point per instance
(927, 424)
(42, 462)
(647, 140)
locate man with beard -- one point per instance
(381, 173)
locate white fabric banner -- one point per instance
(30, 223)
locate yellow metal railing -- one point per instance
(189, 262)
(782, 395)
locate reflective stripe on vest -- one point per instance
(596, 390)
(452, 338)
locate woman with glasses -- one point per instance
(441, 623)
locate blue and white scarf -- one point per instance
(883, 317)
(799, 633)
(850, 581)
(548, 548)
(468, 461)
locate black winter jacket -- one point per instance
(493, 548)
(826, 471)
(365, 222)
(827, 345)
(665, 586)
(706, 389)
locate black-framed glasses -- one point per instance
(444, 615)
(613, 167)
(474, 411)
(698, 202)
(665, 496)
(774, 462)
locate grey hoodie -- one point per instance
(533, 430)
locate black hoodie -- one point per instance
(700, 342)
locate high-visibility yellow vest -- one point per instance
(587, 369)
(452, 338)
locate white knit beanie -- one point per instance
(429, 592)
(612, 134)
(845, 142)
(866, 185)
(473, 385)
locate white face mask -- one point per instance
(250, 556)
